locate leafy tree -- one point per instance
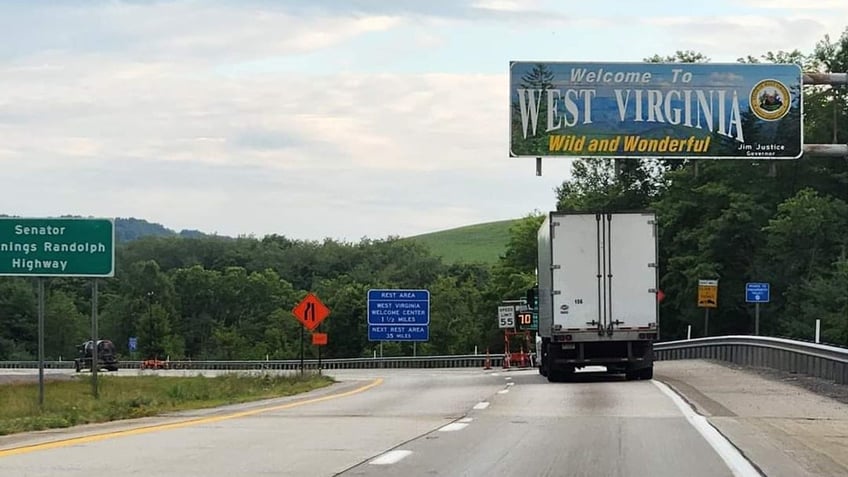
(65, 327)
(520, 251)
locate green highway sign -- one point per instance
(65, 247)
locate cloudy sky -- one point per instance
(318, 118)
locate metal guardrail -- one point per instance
(811, 359)
(456, 361)
(822, 361)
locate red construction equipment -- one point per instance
(521, 358)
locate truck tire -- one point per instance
(560, 375)
(642, 373)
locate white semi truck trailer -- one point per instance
(597, 294)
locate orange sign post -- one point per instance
(310, 312)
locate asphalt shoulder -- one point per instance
(786, 425)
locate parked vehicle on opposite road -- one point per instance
(107, 358)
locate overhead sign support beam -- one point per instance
(826, 150)
(826, 78)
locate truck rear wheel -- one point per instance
(642, 373)
(560, 375)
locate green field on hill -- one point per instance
(479, 243)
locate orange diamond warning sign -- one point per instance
(311, 312)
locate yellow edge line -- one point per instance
(180, 424)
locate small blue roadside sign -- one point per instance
(133, 343)
(398, 315)
(757, 292)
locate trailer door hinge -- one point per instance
(555, 267)
(554, 224)
(652, 265)
(652, 222)
(652, 290)
(556, 292)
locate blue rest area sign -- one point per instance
(133, 344)
(757, 292)
(398, 315)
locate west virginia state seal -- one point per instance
(770, 100)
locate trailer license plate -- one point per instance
(568, 346)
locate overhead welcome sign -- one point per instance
(668, 110)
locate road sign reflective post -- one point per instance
(706, 322)
(757, 293)
(40, 341)
(818, 331)
(301, 350)
(94, 360)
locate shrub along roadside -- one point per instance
(70, 403)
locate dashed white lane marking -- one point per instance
(481, 405)
(503, 391)
(454, 426)
(466, 419)
(508, 378)
(739, 466)
(391, 457)
(495, 374)
(510, 384)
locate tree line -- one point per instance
(219, 298)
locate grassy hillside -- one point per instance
(479, 243)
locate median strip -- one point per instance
(179, 424)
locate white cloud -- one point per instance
(179, 112)
(796, 5)
(726, 38)
(151, 130)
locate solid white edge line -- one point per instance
(454, 426)
(391, 457)
(481, 405)
(731, 456)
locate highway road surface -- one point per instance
(402, 422)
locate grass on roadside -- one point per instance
(70, 403)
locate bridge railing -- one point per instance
(801, 357)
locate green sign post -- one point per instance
(57, 247)
(66, 247)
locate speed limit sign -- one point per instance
(506, 316)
